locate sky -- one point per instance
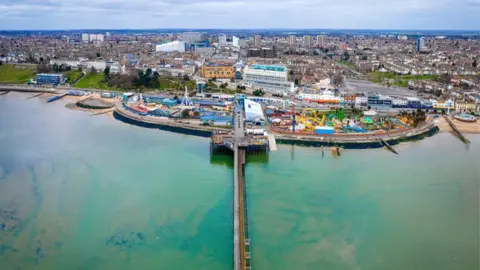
(236, 14)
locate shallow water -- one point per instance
(89, 192)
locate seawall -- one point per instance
(357, 141)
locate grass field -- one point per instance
(10, 74)
(72, 75)
(398, 80)
(92, 80)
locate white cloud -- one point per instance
(397, 14)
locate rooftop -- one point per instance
(268, 67)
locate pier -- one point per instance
(456, 131)
(238, 143)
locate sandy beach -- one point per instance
(462, 126)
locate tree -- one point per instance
(106, 73)
(369, 107)
(1, 63)
(186, 78)
(185, 114)
(474, 64)
(296, 81)
(258, 93)
(338, 79)
(98, 54)
(43, 68)
(93, 70)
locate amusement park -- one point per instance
(339, 121)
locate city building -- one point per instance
(344, 46)
(253, 112)
(257, 41)
(69, 63)
(217, 70)
(321, 40)
(235, 41)
(262, 52)
(171, 46)
(268, 77)
(222, 39)
(375, 100)
(85, 37)
(199, 45)
(292, 40)
(54, 79)
(307, 41)
(96, 38)
(465, 106)
(192, 37)
(420, 44)
(97, 65)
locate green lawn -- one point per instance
(92, 80)
(398, 80)
(10, 74)
(72, 75)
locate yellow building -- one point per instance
(217, 71)
(465, 107)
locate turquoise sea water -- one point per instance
(89, 192)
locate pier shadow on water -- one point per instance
(226, 159)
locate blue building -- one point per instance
(413, 103)
(200, 44)
(200, 87)
(54, 79)
(420, 44)
(238, 74)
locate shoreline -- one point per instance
(192, 127)
(346, 142)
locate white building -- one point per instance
(399, 102)
(97, 65)
(257, 41)
(222, 39)
(268, 77)
(320, 41)
(361, 101)
(171, 46)
(85, 37)
(307, 41)
(70, 63)
(253, 111)
(235, 41)
(292, 40)
(96, 38)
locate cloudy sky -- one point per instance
(135, 14)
